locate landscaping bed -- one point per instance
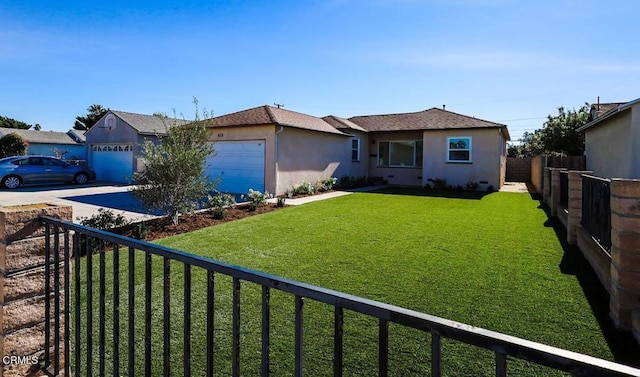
(163, 227)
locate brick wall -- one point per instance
(518, 169)
(625, 252)
(619, 270)
(22, 285)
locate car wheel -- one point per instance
(81, 178)
(11, 182)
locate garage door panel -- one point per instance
(239, 165)
(113, 163)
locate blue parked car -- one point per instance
(18, 170)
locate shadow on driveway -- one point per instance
(122, 201)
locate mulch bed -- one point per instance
(163, 227)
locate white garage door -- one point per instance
(112, 162)
(238, 164)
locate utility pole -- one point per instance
(278, 105)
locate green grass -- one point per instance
(491, 261)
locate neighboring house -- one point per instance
(273, 149)
(68, 145)
(114, 143)
(612, 141)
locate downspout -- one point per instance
(276, 157)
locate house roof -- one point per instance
(614, 108)
(342, 123)
(41, 137)
(263, 115)
(77, 135)
(431, 119)
(598, 109)
(148, 124)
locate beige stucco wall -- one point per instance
(537, 167)
(309, 156)
(405, 176)
(488, 158)
(360, 168)
(612, 146)
(260, 132)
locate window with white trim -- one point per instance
(400, 153)
(355, 149)
(459, 149)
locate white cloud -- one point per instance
(494, 59)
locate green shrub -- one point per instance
(105, 219)
(141, 230)
(12, 144)
(347, 182)
(438, 183)
(327, 184)
(472, 185)
(257, 199)
(219, 202)
(281, 201)
(305, 188)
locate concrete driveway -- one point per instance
(85, 199)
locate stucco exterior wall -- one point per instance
(405, 176)
(537, 168)
(488, 158)
(352, 168)
(609, 146)
(260, 132)
(122, 133)
(75, 152)
(308, 156)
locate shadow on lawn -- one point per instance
(623, 346)
(452, 194)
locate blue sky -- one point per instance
(510, 61)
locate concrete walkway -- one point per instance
(327, 195)
(519, 187)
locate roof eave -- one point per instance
(616, 110)
(337, 132)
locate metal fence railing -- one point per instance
(91, 336)
(596, 209)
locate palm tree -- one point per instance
(95, 112)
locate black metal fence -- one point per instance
(76, 320)
(564, 189)
(596, 209)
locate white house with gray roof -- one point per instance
(114, 143)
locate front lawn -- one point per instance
(491, 262)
